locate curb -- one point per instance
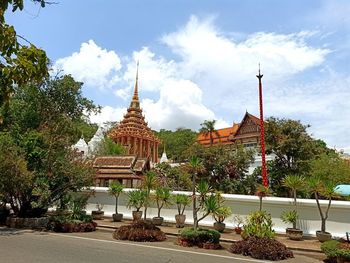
(226, 240)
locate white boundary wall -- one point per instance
(338, 222)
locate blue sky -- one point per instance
(198, 59)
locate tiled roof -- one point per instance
(227, 135)
(223, 135)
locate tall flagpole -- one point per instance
(262, 133)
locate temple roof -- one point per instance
(134, 124)
(120, 167)
(226, 135)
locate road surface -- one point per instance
(39, 247)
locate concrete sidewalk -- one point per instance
(308, 244)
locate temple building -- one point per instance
(246, 133)
(133, 132)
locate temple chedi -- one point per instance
(133, 132)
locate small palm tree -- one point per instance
(295, 183)
(208, 127)
(149, 182)
(162, 198)
(325, 189)
(115, 189)
(181, 201)
(195, 165)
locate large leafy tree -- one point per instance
(20, 61)
(294, 149)
(223, 163)
(208, 128)
(40, 126)
(176, 142)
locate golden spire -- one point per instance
(135, 103)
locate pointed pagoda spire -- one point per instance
(135, 103)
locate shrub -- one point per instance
(259, 224)
(330, 248)
(261, 248)
(139, 231)
(334, 249)
(199, 237)
(343, 250)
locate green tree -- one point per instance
(19, 63)
(293, 147)
(41, 125)
(326, 172)
(195, 166)
(108, 147)
(208, 127)
(176, 142)
(149, 182)
(223, 163)
(115, 189)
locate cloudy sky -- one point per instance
(198, 59)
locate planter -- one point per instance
(238, 230)
(117, 217)
(219, 226)
(158, 221)
(136, 215)
(97, 215)
(323, 236)
(294, 233)
(180, 220)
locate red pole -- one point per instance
(262, 133)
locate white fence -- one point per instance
(309, 219)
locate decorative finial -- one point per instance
(135, 98)
(259, 76)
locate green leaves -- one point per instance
(19, 64)
(115, 188)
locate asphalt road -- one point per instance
(40, 247)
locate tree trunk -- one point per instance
(323, 225)
(295, 205)
(116, 204)
(195, 221)
(144, 216)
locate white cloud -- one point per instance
(94, 66)
(180, 105)
(107, 114)
(205, 50)
(213, 77)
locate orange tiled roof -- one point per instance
(226, 135)
(223, 135)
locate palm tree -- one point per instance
(208, 127)
(294, 183)
(195, 165)
(149, 182)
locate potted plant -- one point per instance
(136, 200)
(326, 190)
(294, 183)
(98, 214)
(220, 214)
(238, 220)
(115, 189)
(292, 217)
(162, 198)
(181, 201)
